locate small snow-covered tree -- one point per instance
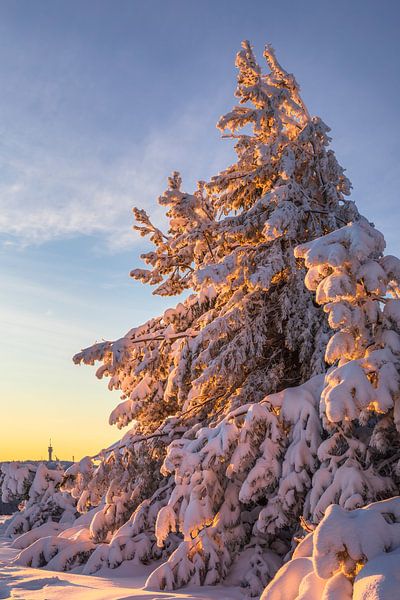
(44, 500)
(16, 479)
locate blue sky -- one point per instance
(100, 101)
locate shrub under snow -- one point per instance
(333, 562)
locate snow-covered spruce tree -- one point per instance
(236, 475)
(360, 457)
(231, 242)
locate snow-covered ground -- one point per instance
(120, 584)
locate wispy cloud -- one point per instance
(46, 194)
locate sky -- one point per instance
(99, 102)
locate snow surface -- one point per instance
(118, 584)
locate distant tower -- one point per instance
(50, 449)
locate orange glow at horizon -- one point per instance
(33, 446)
(73, 412)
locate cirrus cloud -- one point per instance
(47, 194)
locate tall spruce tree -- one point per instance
(223, 392)
(250, 328)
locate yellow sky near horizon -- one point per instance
(74, 416)
(44, 321)
(42, 393)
